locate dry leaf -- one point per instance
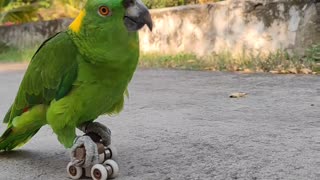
(283, 72)
(210, 69)
(274, 72)
(191, 61)
(259, 70)
(247, 70)
(293, 70)
(238, 95)
(305, 71)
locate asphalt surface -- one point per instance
(183, 125)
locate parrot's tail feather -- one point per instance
(23, 127)
(12, 138)
(7, 117)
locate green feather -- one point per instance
(53, 61)
(75, 76)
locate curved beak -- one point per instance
(137, 15)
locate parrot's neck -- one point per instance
(110, 59)
(103, 48)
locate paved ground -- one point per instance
(182, 125)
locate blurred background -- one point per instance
(190, 124)
(277, 36)
(21, 11)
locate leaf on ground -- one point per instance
(238, 95)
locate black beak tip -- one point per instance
(150, 26)
(148, 20)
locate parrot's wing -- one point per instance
(50, 75)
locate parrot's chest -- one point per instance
(96, 98)
(100, 87)
(99, 90)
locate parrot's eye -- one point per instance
(104, 11)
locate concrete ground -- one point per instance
(182, 125)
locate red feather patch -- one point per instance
(25, 109)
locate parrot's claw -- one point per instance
(91, 157)
(99, 129)
(77, 162)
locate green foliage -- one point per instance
(3, 47)
(18, 11)
(74, 3)
(21, 10)
(313, 56)
(163, 3)
(15, 55)
(171, 3)
(179, 61)
(278, 62)
(313, 53)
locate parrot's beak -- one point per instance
(137, 15)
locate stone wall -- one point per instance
(31, 34)
(254, 25)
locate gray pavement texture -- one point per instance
(182, 125)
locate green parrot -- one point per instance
(78, 75)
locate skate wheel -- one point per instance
(74, 172)
(113, 152)
(99, 172)
(114, 166)
(102, 158)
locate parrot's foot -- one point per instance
(91, 151)
(78, 167)
(98, 129)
